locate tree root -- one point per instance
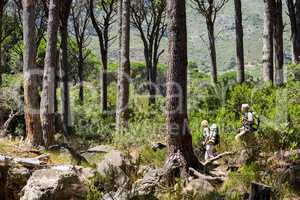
(210, 161)
(211, 179)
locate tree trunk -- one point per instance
(1, 27)
(260, 191)
(64, 67)
(268, 41)
(179, 140)
(278, 44)
(124, 69)
(212, 50)
(80, 74)
(239, 42)
(31, 93)
(104, 59)
(47, 98)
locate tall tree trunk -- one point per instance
(239, 42)
(179, 140)
(104, 59)
(64, 67)
(268, 41)
(80, 74)
(124, 69)
(212, 50)
(47, 98)
(278, 44)
(1, 28)
(31, 93)
(295, 30)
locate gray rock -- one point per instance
(198, 187)
(60, 182)
(101, 149)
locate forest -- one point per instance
(149, 99)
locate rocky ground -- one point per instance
(35, 174)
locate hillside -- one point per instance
(225, 43)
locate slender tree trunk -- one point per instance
(104, 59)
(31, 93)
(295, 30)
(268, 41)
(47, 98)
(212, 50)
(80, 74)
(179, 140)
(278, 44)
(1, 27)
(124, 70)
(64, 67)
(239, 42)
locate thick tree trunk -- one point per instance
(268, 41)
(80, 74)
(179, 140)
(212, 50)
(48, 93)
(64, 67)
(239, 42)
(124, 69)
(278, 44)
(31, 93)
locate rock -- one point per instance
(198, 187)
(158, 146)
(59, 182)
(16, 180)
(112, 159)
(115, 165)
(101, 149)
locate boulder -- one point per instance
(114, 165)
(198, 187)
(16, 179)
(59, 182)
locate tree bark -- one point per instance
(212, 50)
(278, 44)
(268, 41)
(64, 66)
(124, 69)
(31, 93)
(239, 42)
(47, 98)
(179, 140)
(294, 15)
(1, 27)
(80, 74)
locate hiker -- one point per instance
(210, 135)
(247, 123)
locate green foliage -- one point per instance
(239, 181)
(148, 156)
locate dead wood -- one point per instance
(210, 161)
(4, 128)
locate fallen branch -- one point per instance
(210, 161)
(3, 130)
(218, 179)
(27, 162)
